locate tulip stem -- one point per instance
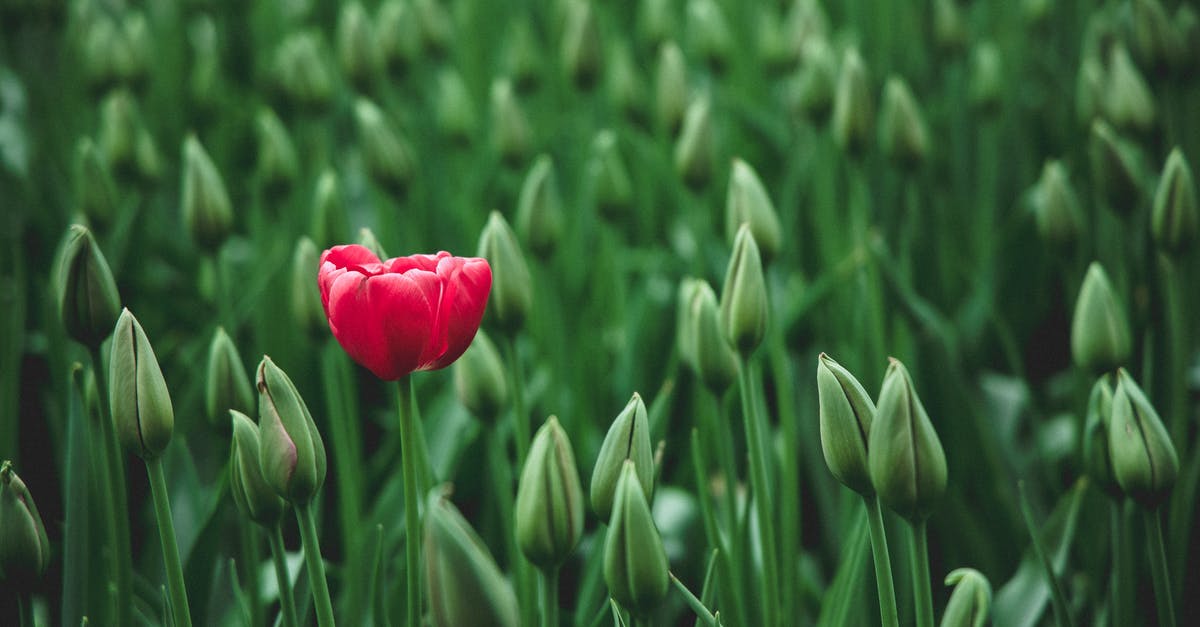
(762, 500)
(25, 610)
(1158, 569)
(1117, 590)
(166, 534)
(883, 564)
(316, 567)
(520, 415)
(116, 506)
(251, 556)
(550, 597)
(287, 605)
(412, 521)
(922, 593)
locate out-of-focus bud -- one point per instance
(906, 460)
(708, 33)
(227, 386)
(853, 110)
(1035, 12)
(635, 563)
(902, 132)
(523, 55)
(1174, 220)
(204, 81)
(131, 67)
(367, 239)
(627, 439)
(695, 149)
(356, 44)
(1154, 39)
(397, 35)
(479, 379)
(385, 152)
(463, 583)
(307, 310)
(685, 321)
(1089, 89)
(970, 604)
(846, 414)
(301, 70)
(748, 203)
(612, 186)
(512, 287)
(626, 90)
(1186, 23)
(87, 295)
(118, 136)
(1116, 169)
(986, 87)
(949, 29)
(104, 49)
(278, 164)
(655, 21)
(777, 53)
(207, 212)
(744, 301)
(510, 128)
(455, 110)
(539, 208)
(1056, 207)
(95, 191)
(548, 514)
(1128, 101)
(813, 86)
(1100, 337)
(436, 26)
(581, 47)
(1143, 458)
(329, 216)
(1096, 459)
(716, 361)
(251, 493)
(138, 396)
(670, 87)
(291, 453)
(24, 546)
(146, 157)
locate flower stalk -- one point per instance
(412, 521)
(166, 533)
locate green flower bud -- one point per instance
(902, 132)
(227, 386)
(853, 110)
(1096, 459)
(510, 129)
(138, 396)
(846, 414)
(386, 153)
(627, 439)
(581, 46)
(251, 493)
(539, 208)
(670, 87)
(1154, 39)
(1035, 12)
(970, 604)
(549, 509)
(87, 295)
(655, 21)
(1128, 101)
(397, 35)
(1174, 219)
(130, 66)
(1116, 168)
(436, 26)
(207, 212)
(301, 70)
(329, 215)
(367, 239)
(95, 191)
(479, 379)
(625, 89)
(612, 186)
(744, 301)
(1056, 207)
(356, 46)
(716, 361)
(512, 287)
(278, 163)
(118, 135)
(1100, 337)
(812, 89)
(635, 563)
(307, 310)
(1186, 24)
(455, 110)
(464, 585)
(204, 82)
(104, 50)
(806, 23)
(24, 546)
(1089, 89)
(685, 321)
(695, 148)
(1143, 459)
(748, 203)
(907, 464)
(708, 33)
(949, 29)
(146, 157)
(291, 452)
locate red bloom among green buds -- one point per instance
(405, 314)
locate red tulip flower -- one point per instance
(405, 314)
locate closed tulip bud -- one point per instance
(512, 287)
(813, 87)
(278, 164)
(655, 21)
(146, 157)
(291, 452)
(902, 132)
(356, 46)
(207, 212)
(987, 83)
(1100, 337)
(685, 321)
(1116, 168)
(118, 135)
(251, 493)
(695, 150)
(628, 439)
(479, 379)
(539, 208)
(744, 301)
(1056, 207)
(1186, 24)
(385, 152)
(548, 514)
(307, 310)
(367, 239)
(670, 87)
(1089, 89)
(970, 604)
(1096, 459)
(301, 70)
(95, 192)
(1154, 39)
(1128, 101)
(87, 295)
(436, 26)
(612, 186)
(1143, 458)
(581, 47)
(523, 56)
(635, 562)
(626, 91)
(853, 110)
(138, 396)
(1174, 219)
(24, 546)
(510, 128)
(329, 214)
(708, 33)
(906, 461)
(777, 53)
(716, 361)
(748, 203)
(204, 81)
(455, 110)
(397, 35)
(806, 22)
(104, 49)
(949, 29)
(227, 386)
(463, 583)
(846, 414)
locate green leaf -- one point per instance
(843, 598)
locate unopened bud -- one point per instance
(357, 50)
(138, 396)
(853, 110)
(307, 310)
(1056, 207)
(1100, 337)
(118, 135)
(436, 26)
(695, 150)
(949, 29)
(846, 414)
(207, 212)
(301, 69)
(539, 208)
(744, 301)
(367, 239)
(511, 134)
(987, 86)
(685, 320)
(970, 604)
(716, 361)
(902, 132)
(1143, 458)
(708, 33)
(87, 295)
(463, 583)
(670, 87)
(329, 215)
(1089, 89)
(479, 379)
(24, 546)
(906, 460)
(95, 192)
(1174, 218)
(251, 493)
(812, 89)
(385, 152)
(523, 56)
(1116, 169)
(655, 21)
(291, 452)
(612, 186)
(581, 47)
(627, 439)
(455, 110)
(1096, 459)
(227, 386)
(512, 287)
(278, 164)
(635, 562)
(1128, 101)
(548, 514)
(748, 203)
(397, 35)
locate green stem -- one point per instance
(251, 557)
(1177, 350)
(316, 567)
(762, 492)
(1158, 569)
(345, 441)
(25, 610)
(1117, 592)
(412, 521)
(287, 605)
(550, 597)
(922, 592)
(883, 564)
(1061, 615)
(520, 414)
(166, 533)
(116, 506)
(76, 539)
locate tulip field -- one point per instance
(455, 313)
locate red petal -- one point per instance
(382, 322)
(468, 284)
